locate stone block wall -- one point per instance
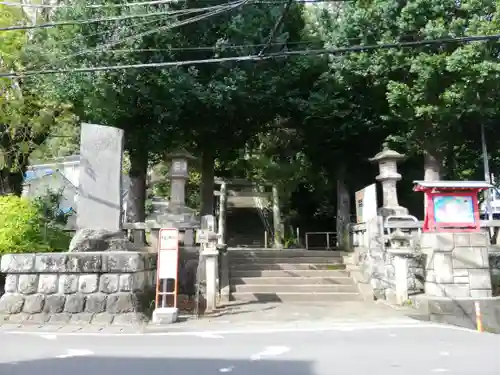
(495, 273)
(457, 265)
(377, 268)
(60, 288)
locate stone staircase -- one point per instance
(290, 275)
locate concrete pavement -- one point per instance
(248, 316)
(345, 349)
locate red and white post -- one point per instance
(166, 310)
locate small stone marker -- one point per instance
(100, 181)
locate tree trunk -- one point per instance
(11, 182)
(343, 210)
(433, 164)
(207, 183)
(137, 192)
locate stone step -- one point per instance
(291, 280)
(289, 253)
(301, 260)
(295, 297)
(287, 273)
(286, 266)
(311, 288)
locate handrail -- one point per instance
(306, 237)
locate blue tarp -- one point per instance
(31, 175)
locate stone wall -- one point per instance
(495, 273)
(59, 288)
(377, 269)
(457, 264)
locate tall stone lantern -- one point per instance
(177, 215)
(178, 174)
(388, 177)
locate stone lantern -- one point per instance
(388, 176)
(177, 214)
(178, 176)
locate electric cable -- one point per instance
(158, 29)
(277, 25)
(105, 19)
(154, 2)
(333, 51)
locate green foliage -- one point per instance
(48, 206)
(425, 98)
(27, 115)
(24, 229)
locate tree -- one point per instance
(211, 109)
(435, 93)
(26, 116)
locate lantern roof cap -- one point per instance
(180, 154)
(387, 153)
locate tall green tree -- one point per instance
(27, 117)
(431, 97)
(210, 109)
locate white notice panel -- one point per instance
(168, 246)
(366, 204)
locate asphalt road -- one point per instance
(375, 350)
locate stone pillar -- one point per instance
(278, 235)
(388, 176)
(210, 254)
(400, 251)
(222, 213)
(457, 264)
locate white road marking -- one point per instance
(76, 353)
(269, 351)
(48, 337)
(209, 335)
(325, 328)
(226, 369)
(444, 354)
(440, 370)
(392, 335)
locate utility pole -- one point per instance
(487, 175)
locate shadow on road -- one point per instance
(95, 365)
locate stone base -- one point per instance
(460, 311)
(165, 315)
(456, 264)
(63, 318)
(67, 288)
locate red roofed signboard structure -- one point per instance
(451, 206)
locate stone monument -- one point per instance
(100, 185)
(99, 217)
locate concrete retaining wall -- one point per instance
(376, 268)
(97, 287)
(460, 311)
(495, 273)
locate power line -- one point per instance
(148, 22)
(208, 48)
(234, 5)
(341, 50)
(105, 19)
(154, 2)
(276, 27)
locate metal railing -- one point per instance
(330, 243)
